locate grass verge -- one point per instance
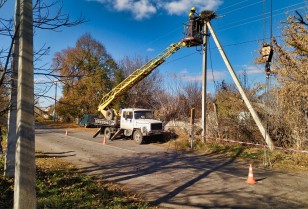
(60, 185)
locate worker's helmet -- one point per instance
(193, 9)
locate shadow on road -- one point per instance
(54, 154)
(179, 173)
(194, 180)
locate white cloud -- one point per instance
(251, 69)
(216, 75)
(150, 50)
(183, 6)
(184, 72)
(42, 80)
(146, 8)
(139, 8)
(143, 9)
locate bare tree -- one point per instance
(142, 94)
(44, 19)
(177, 98)
(2, 2)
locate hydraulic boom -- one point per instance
(134, 78)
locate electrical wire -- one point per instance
(271, 21)
(264, 20)
(243, 7)
(224, 46)
(232, 5)
(259, 16)
(212, 70)
(245, 23)
(231, 11)
(252, 21)
(160, 37)
(188, 55)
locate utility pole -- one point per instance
(9, 166)
(24, 187)
(192, 125)
(256, 118)
(55, 113)
(204, 71)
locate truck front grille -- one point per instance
(156, 126)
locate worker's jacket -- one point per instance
(194, 24)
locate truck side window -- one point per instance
(129, 115)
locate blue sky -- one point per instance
(146, 27)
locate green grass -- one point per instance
(60, 185)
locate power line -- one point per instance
(212, 70)
(260, 15)
(174, 60)
(251, 21)
(160, 37)
(264, 20)
(232, 5)
(224, 46)
(228, 12)
(249, 5)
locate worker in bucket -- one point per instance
(194, 25)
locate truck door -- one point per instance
(127, 120)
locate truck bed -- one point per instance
(100, 121)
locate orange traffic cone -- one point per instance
(104, 142)
(66, 133)
(250, 179)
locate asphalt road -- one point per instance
(175, 179)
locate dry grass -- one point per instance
(56, 124)
(61, 185)
(284, 160)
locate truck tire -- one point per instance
(138, 137)
(107, 133)
(110, 114)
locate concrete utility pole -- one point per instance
(24, 188)
(9, 167)
(204, 71)
(192, 125)
(256, 118)
(54, 111)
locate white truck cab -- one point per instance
(139, 123)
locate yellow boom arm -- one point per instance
(137, 76)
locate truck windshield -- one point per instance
(143, 115)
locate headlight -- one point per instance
(144, 129)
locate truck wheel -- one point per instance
(110, 114)
(138, 137)
(107, 133)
